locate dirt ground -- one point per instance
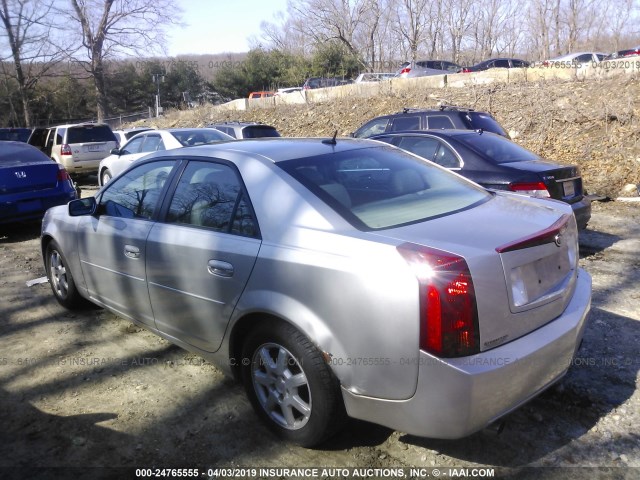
(92, 392)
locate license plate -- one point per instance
(569, 189)
(95, 148)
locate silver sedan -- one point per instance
(334, 278)
(150, 141)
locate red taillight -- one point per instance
(448, 312)
(465, 70)
(534, 189)
(63, 175)
(65, 150)
(405, 70)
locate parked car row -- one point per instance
(422, 68)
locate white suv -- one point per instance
(79, 147)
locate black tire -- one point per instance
(316, 411)
(105, 177)
(61, 280)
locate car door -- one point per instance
(131, 151)
(200, 258)
(111, 244)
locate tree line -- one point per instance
(70, 59)
(379, 32)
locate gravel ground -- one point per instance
(91, 391)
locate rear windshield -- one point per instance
(259, 131)
(496, 148)
(200, 136)
(486, 122)
(15, 134)
(383, 187)
(89, 134)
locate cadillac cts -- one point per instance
(334, 277)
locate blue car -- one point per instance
(30, 183)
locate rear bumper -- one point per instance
(25, 208)
(582, 212)
(457, 397)
(75, 166)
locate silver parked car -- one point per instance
(150, 141)
(332, 277)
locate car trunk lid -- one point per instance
(522, 255)
(562, 182)
(17, 178)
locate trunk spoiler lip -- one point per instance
(550, 234)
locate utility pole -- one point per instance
(157, 78)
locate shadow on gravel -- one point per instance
(53, 440)
(592, 241)
(19, 232)
(601, 378)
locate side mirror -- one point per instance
(115, 151)
(82, 206)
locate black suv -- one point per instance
(446, 117)
(246, 129)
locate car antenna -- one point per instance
(331, 141)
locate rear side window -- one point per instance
(405, 123)
(152, 143)
(484, 121)
(60, 135)
(90, 134)
(439, 122)
(383, 187)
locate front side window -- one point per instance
(210, 195)
(383, 187)
(374, 127)
(133, 146)
(137, 193)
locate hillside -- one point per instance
(594, 124)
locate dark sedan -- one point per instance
(30, 183)
(496, 63)
(497, 163)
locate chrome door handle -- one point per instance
(220, 268)
(131, 251)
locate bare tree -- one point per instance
(110, 28)
(458, 20)
(27, 33)
(412, 17)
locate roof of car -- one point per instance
(274, 149)
(449, 132)
(234, 123)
